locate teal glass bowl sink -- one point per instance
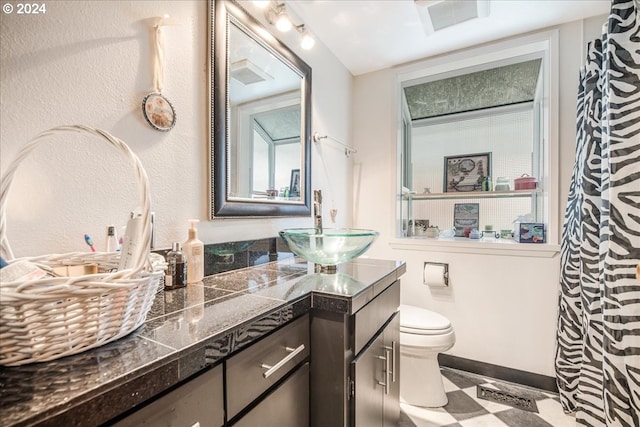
(332, 247)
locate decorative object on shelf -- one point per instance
(529, 232)
(448, 234)
(466, 217)
(294, 184)
(156, 108)
(432, 232)
(420, 226)
(487, 184)
(525, 182)
(502, 184)
(68, 315)
(466, 172)
(475, 234)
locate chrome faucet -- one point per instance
(317, 210)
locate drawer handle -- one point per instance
(293, 352)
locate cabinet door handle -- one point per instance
(293, 352)
(394, 353)
(386, 359)
(394, 362)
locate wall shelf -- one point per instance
(503, 247)
(472, 195)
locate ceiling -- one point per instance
(368, 35)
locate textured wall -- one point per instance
(89, 62)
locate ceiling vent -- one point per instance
(438, 14)
(246, 72)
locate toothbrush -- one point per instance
(89, 242)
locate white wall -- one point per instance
(503, 308)
(90, 62)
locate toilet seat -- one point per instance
(419, 321)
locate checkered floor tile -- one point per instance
(466, 410)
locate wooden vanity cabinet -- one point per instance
(375, 401)
(197, 403)
(286, 406)
(268, 382)
(355, 378)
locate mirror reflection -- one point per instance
(264, 99)
(261, 139)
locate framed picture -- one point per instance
(466, 216)
(466, 172)
(294, 185)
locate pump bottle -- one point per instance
(177, 273)
(194, 252)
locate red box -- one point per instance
(525, 182)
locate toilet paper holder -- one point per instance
(442, 273)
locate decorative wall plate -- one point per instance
(158, 112)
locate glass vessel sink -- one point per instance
(332, 247)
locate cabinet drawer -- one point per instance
(287, 406)
(248, 373)
(198, 402)
(370, 318)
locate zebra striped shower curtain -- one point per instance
(598, 338)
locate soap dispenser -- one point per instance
(194, 252)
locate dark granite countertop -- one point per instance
(187, 330)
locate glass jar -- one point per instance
(502, 184)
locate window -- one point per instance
(495, 107)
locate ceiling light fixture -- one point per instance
(261, 4)
(306, 41)
(283, 23)
(276, 14)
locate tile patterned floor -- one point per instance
(466, 410)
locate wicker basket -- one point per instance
(53, 317)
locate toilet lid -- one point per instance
(416, 319)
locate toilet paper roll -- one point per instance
(436, 274)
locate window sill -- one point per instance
(505, 247)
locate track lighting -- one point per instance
(277, 15)
(306, 41)
(283, 23)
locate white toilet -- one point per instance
(423, 334)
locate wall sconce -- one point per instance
(277, 15)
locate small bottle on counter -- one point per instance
(176, 276)
(193, 249)
(112, 240)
